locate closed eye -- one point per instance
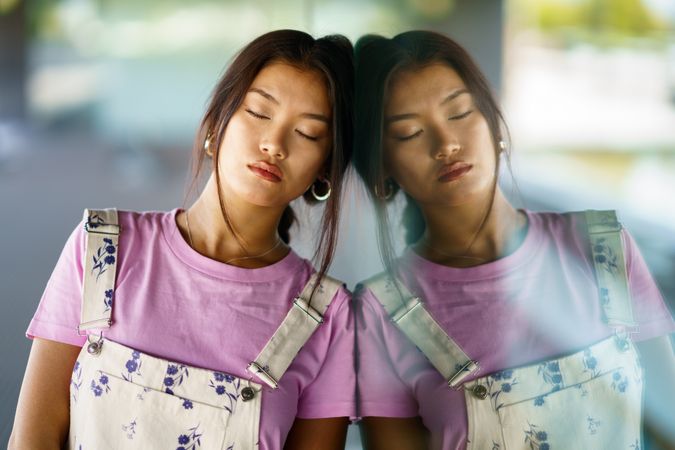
(257, 115)
(306, 136)
(409, 137)
(460, 116)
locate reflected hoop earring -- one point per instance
(325, 196)
(502, 146)
(389, 191)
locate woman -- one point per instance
(495, 328)
(197, 326)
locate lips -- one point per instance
(266, 171)
(454, 171)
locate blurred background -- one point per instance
(100, 99)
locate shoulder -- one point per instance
(145, 221)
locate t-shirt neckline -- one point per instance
(284, 267)
(492, 269)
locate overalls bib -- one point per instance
(591, 399)
(122, 398)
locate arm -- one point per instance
(317, 434)
(658, 363)
(387, 433)
(43, 411)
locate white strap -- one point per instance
(302, 320)
(100, 266)
(412, 318)
(604, 231)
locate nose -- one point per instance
(447, 145)
(272, 143)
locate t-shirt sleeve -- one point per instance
(331, 393)
(384, 358)
(649, 309)
(58, 314)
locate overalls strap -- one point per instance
(604, 231)
(300, 322)
(100, 266)
(410, 316)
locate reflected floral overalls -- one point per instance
(591, 399)
(122, 398)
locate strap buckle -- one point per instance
(307, 309)
(468, 368)
(408, 306)
(259, 371)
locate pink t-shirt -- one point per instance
(537, 303)
(176, 304)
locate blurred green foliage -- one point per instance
(601, 22)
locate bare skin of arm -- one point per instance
(42, 414)
(389, 433)
(658, 362)
(317, 434)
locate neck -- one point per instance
(247, 244)
(471, 234)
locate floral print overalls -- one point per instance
(122, 398)
(591, 399)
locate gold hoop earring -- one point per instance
(389, 186)
(207, 144)
(324, 196)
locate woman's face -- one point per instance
(277, 141)
(437, 144)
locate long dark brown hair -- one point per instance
(377, 60)
(332, 57)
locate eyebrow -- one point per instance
(267, 95)
(453, 95)
(270, 97)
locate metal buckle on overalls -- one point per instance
(469, 367)
(84, 326)
(257, 370)
(409, 305)
(307, 309)
(92, 227)
(94, 347)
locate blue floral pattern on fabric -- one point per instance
(228, 386)
(537, 439)
(104, 257)
(500, 382)
(100, 386)
(132, 366)
(550, 373)
(605, 256)
(108, 300)
(190, 440)
(175, 374)
(590, 363)
(76, 380)
(130, 429)
(619, 382)
(593, 425)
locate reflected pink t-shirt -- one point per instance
(537, 303)
(176, 304)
